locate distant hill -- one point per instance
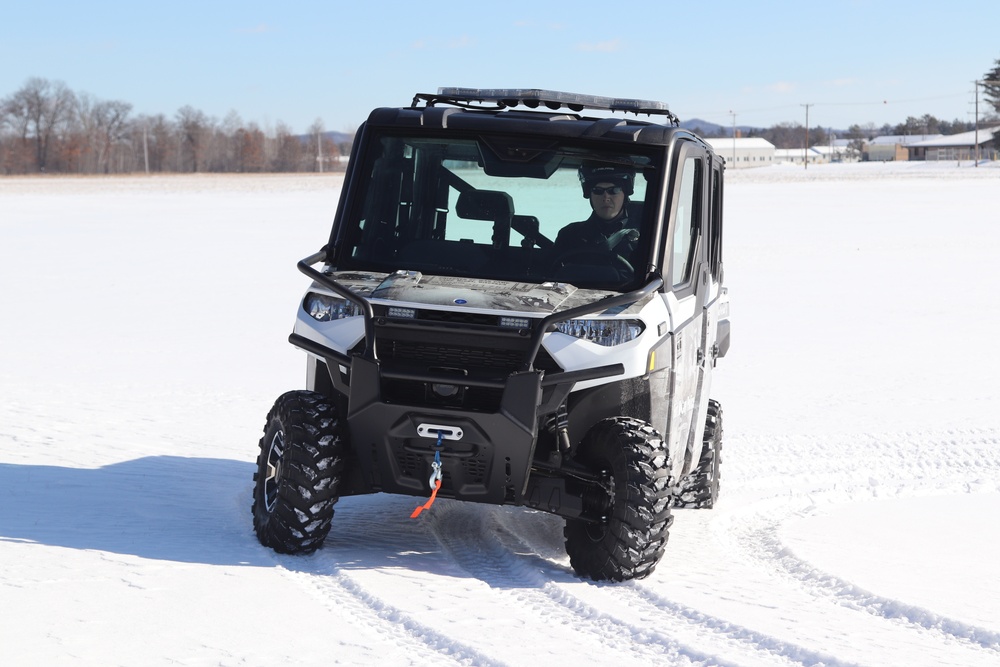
(341, 139)
(338, 137)
(710, 129)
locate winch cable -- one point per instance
(435, 478)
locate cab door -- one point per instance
(688, 280)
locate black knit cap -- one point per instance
(591, 175)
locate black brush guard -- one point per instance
(493, 460)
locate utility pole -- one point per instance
(805, 151)
(733, 114)
(319, 150)
(145, 147)
(979, 83)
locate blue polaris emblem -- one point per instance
(461, 302)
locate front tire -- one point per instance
(630, 543)
(299, 469)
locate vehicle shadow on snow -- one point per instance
(197, 510)
(194, 510)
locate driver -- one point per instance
(608, 188)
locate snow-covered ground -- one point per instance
(143, 326)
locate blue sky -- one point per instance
(853, 61)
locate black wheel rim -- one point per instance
(272, 470)
(597, 531)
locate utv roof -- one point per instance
(530, 111)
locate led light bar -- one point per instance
(515, 322)
(551, 99)
(402, 313)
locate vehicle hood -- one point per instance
(473, 293)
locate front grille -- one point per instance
(471, 469)
(410, 464)
(474, 469)
(458, 351)
(449, 356)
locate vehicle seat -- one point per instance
(488, 205)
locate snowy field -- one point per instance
(143, 326)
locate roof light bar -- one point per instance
(534, 98)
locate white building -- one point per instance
(838, 151)
(799, 156)
(743, 152)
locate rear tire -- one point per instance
(299, 469)
(631, 542)
(700, 488)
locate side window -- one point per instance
(715, 248)
(686, 219)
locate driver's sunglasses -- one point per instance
(613, 190)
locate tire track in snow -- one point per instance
(524, 563)
(762, 644)
(681, 619)
(855, 597)
(425, 644)
(886, 467)
(508, 560)
(528, 578)
(323, 575)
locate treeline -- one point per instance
(46, 127)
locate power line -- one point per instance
(885, 102)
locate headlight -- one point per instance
(325, 308)
(602, 332)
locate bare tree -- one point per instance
(229, 136)
(785, 135)
(14, 135)
(15, 111)
(192, 126)
(252, 155)
(288, 150)
(42, 108)
(154, 137)
(104, 124)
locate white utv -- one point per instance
(478, 331)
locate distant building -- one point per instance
(743, 152)
(799, 156)
(892, 148)
(839, 150)
(960, 146)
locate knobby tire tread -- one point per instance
(630, 544)
(312, 467)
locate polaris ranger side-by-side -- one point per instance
(477, 330)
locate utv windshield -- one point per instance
(524, 209)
